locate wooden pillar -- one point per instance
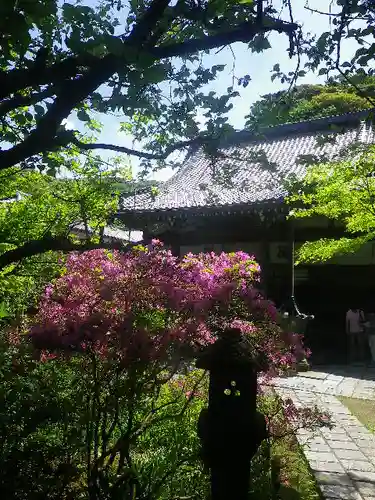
(289, 288)
(265, 257)
(175, 245)
(147, 236)
(173, 237)
(265, 263)
(167, 232)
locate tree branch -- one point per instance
(133, 152)
(56, 244)
(43, 137)
(143, 30)
(331, 14)
(18, 79)
(73, 92)
(244, 32)
(20, 100)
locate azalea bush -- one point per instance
(147, 308)
(128, 327)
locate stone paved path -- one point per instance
(343, 458)
(352, 381)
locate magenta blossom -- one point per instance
(148, 305)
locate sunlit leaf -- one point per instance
(83, 115)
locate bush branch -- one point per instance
(56, 244)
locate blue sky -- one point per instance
(258, 66)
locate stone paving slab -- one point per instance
(343, 458)
(360, 382)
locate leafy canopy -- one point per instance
(342, 191)
(143, 61)
(41, 214)
(111, 56)
(305, 102)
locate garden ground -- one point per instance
(297, 479)
(363, 409)
(342, 459)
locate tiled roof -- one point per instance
(197, 183)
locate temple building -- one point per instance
(235, 200)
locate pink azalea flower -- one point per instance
(147, 304)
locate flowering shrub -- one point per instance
(147, 306)
(129, 323)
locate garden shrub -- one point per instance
(41, 416)
(111, 341)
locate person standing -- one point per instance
(355, 330)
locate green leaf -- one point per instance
(259, 43)
(114, 45)
(218, 67)
(39, 110)
(21, 119)
(154, 192)
(145, 61)
(3, 310)
(363, 61)
(52, 171)
(361, 52)
(156, 74)
(83, 115)
(68, 10)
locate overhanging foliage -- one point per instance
(342, 191)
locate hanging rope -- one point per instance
(295, 308)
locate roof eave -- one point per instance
(208, 210)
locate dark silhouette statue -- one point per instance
(231, 429)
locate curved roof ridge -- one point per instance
(275, 131)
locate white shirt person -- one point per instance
(355, 319)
